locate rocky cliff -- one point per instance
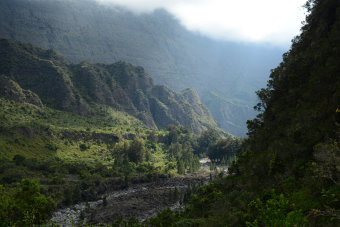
(79, 87)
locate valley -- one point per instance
(224, 74)
(114, 117)
(77, 133)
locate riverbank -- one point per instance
(139, 201)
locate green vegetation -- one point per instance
(77, 158)
(221, 150)
(29, 131)
(72, 163)
(84, 129)
(91, 89)
(26, 207)
(225, 74)
(288, 174)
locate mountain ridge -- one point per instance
(76, 87)
(176, 57)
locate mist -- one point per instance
(264, 21)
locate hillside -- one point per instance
(288, 174)
(53, 159)
(87, 31)
(80, 88)
(87, 156)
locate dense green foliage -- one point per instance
(25, 206)
(225, 74)
(219, 149)
(289, 173)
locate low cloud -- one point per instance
(271, 21)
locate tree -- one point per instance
(207, 138)
(224, 148)
(29, 206)
(175, 150)
(180, 167)
(136, 151)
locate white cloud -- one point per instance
(272, 21)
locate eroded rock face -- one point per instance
(76, 87)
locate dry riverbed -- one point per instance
(140, 201)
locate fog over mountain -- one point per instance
(261, 21)
(225, 74)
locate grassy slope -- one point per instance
(44, 133)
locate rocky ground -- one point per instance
(144, 201)
(140, 201)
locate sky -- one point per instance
(275, 22)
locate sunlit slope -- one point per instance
(84, 30)
(80, 88)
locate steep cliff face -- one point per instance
(78, 87)
(169, 107)
(175, 57)
(226, 112)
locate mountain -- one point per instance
(80, 88)
(88, 31)
(227, 112)
(81, 158)
(289, 171)
(73, 133)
